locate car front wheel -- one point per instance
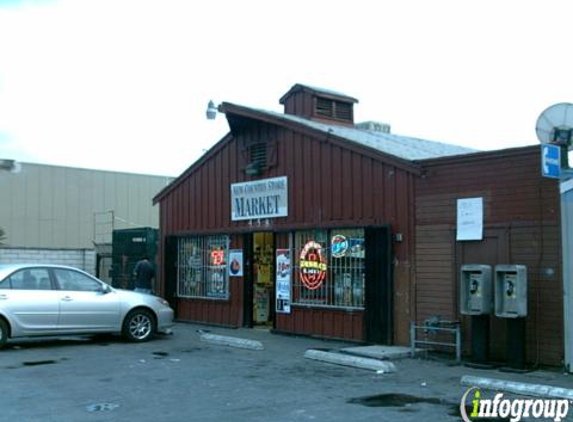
(139, 325)
(3, 333)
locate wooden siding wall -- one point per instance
(328, 186)
(521, 226)
(300, 104)
(323, 322)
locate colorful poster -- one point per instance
(235, 263)
(283, 276)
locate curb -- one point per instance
(535, 390)
(232, 341)
(349, 360)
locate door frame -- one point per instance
(248, 278)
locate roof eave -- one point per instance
(246, 112)
(197, 163)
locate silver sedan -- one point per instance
(48, 300)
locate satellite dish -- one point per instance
(555, 125)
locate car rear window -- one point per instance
(29, 279)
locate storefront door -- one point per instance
(378, 309)
(259, 281)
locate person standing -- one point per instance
(144, 272)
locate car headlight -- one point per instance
(162, 301)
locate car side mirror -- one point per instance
(105, 289)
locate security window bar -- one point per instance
(344, 255)
(202, 267)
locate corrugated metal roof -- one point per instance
(404, 147)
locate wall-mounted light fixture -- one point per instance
(211, 110)
(253, 169)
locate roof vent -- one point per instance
(319, 104)
(374, 126)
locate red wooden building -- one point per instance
(310, 224)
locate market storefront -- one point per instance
(300, 222)
(289, 278)
(307, 223)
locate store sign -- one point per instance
(267, 198)
(217, 257)
(312, 265)
(339, 245)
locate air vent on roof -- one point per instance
(339, 110)
(374, 126)
(258, 154)
(343, 110)
(324, 107)
(257, 159)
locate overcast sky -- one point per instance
(123, 85)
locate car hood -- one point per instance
(137, 297)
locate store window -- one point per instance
(202, 267)
(329, 268)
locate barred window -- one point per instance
(202, 267)
(329, 268)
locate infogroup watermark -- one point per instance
(512, 408)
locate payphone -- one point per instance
(476, 300)
(510, 291)
(476, 296)
(510, 286)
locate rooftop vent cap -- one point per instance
(374, 126)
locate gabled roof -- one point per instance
(403, 151)
(320, 91)
(403, 147)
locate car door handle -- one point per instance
(67, 299)
(3, 297)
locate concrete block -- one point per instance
(380, 352)
(232, 341)
(349, 360)
(526, 389)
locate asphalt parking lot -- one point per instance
(182, 378)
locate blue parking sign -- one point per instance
(551, 161)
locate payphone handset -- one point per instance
(510, 291)
(475, 293)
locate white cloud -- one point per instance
(124, 84)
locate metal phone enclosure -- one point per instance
(510, 291)
(476, 292)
